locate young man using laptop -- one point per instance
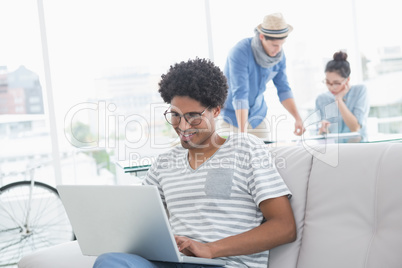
(224, 197)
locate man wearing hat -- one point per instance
(250, 65)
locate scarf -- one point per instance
(260, 56)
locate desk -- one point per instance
(351, 137)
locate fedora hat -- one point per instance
(274, 25)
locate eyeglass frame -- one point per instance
(336, 85)
(184, 115)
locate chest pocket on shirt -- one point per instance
(219, 183)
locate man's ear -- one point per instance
(217, 111)
(262, 37)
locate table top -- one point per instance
(351, 137)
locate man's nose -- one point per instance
(184, 124)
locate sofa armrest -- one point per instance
(65, 255)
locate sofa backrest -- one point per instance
(294, 164)
(352, 206)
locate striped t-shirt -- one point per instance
(221, 197)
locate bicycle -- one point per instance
(31, 217)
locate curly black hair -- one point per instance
(198, 79)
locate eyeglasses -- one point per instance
(193, 118)
(335, 84)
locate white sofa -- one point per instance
(347, 203)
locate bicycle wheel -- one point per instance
(28, 224)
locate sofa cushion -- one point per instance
(353, 213)
(386, 243)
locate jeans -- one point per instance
(123, 260)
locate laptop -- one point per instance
(123, 218)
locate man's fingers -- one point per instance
(183, 244)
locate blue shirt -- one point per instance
(357, 102)
(247, 83)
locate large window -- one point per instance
(366, 30)
(25, 139)
(380, 49)
(78, 81)
(106, 59)
(321, 29)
